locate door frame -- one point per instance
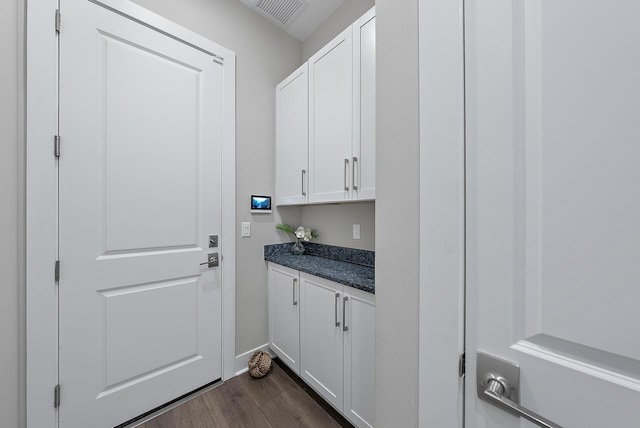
(442, 212)
(42, 198)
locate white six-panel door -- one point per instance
(140, 175)
(553, 148)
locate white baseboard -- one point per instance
(242, 360)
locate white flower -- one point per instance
(300, 233)
(307, 234)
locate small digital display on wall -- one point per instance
(260, 204)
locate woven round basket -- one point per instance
(260, 364)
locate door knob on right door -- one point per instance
(498, 383)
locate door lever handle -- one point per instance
(212, 260)
(497, 387)
(498, 383)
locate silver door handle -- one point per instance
(294, 291)
(212, 260)
(336, 308)
(494, 392)
(344, 314)
(498, 383)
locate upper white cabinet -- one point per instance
(340, 122)
(292, 136)
(331, 120)
(363, 178)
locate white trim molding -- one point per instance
(42, 197)
(442, 220)
(41, 214)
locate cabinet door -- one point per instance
(359, 358)
(292, 138)
(363, 175)
(331, 121)
(284, 315)
(321, 338)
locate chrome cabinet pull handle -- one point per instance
(346, 174)
(353, 173)
(303, 173)
(344, 314)
(293, 290)
(336, 308)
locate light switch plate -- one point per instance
(356, 231)
(246, 229)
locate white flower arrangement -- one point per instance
(304, 233)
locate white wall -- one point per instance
(397, 214)
(265, 56)
(334, 25)
(334, 223)
(11, 215)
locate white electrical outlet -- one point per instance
(356, 231)
(246, 229)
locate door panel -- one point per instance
(284, 315)
(552, 156)
(135, 79)
(330, 120)
(321, 337)
(292, 138)
(141, 125)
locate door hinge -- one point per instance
(56, 146)
(462, 365)
(57, 271)
(58, 17)
(56, 396)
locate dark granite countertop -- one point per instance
(347, 266)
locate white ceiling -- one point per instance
(307, 22)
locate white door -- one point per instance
(359, 334)
(292, 138)
(331, 120)
(363, 168)
(284, 315)
(321, 347)
(553, 148)
(140, 120)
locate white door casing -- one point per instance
(41, 305)
(552, 207)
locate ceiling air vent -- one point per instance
(280, 12)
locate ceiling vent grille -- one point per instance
(281, 12)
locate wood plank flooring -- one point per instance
(279, 400)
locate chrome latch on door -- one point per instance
(498, 383)
(212, 260)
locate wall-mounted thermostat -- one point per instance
(260, 204)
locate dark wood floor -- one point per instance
(279, 400)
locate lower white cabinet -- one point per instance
(337, 346)
(284, 314)
(325, 332)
